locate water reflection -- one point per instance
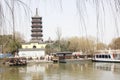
(114, 67)
(71, 71)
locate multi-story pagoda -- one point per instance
(36, 28)
(36, 47)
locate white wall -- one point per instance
(32, 54)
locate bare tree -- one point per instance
(11, 7)
(101, 6)
(8, 11)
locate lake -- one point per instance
(62, 71)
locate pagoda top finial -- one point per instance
(36, 15)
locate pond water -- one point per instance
(65, 71)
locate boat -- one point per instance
(66, 57)
(107, 56)
(13, 61)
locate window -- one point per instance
(100, 56)
(103, 56)
(97, 56)
(109, 56)
(106, 56)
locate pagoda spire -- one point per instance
(36, 15)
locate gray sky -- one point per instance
(67, 17)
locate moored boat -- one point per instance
(66, 57)
(15, 61)
(109, 56)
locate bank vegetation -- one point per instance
(81, 44)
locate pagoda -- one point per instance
(36, 47)
(36, 28)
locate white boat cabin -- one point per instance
(110, 56)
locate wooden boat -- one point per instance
(109, 56)
(66, 57)
(15, 61)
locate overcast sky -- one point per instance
(67, 17)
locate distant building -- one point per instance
(36, 47)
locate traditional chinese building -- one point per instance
(37, 28)
(36, 47)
